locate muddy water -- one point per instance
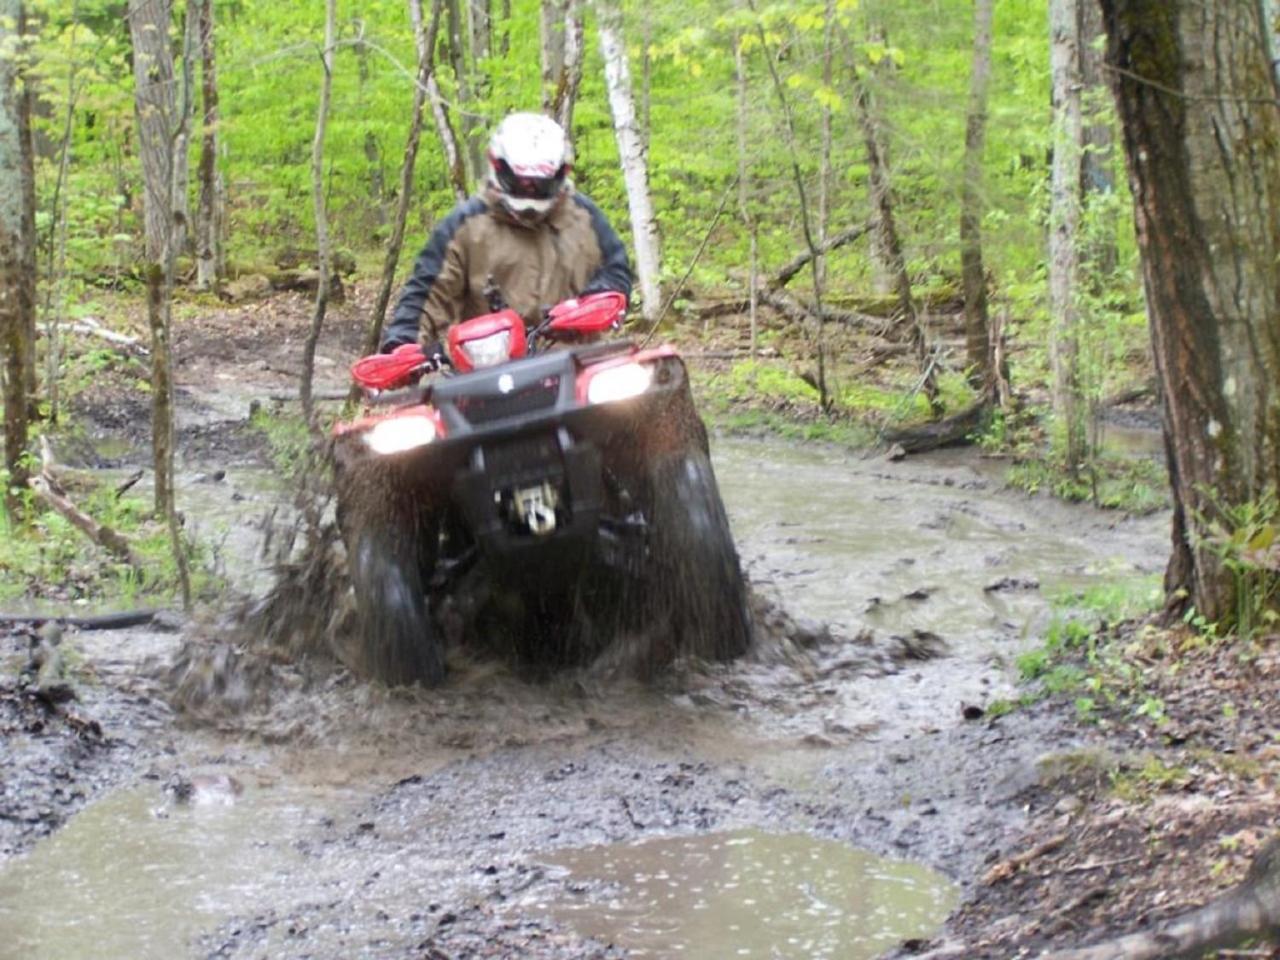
(137, 874)
(579, 805)
(751, 894)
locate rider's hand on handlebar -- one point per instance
(436, 356)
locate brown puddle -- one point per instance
(134, 876)
(747, 894)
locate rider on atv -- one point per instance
(528, 236)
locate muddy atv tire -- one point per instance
(397, 643)
(695, 580)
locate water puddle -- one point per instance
(749, 894)
(134, 876)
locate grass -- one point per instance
(44, 557)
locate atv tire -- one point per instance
(695, 581)
(397, 642)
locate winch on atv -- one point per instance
(552, 499)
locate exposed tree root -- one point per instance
(1249, 911)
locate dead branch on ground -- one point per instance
(51, 493)
(1245, 912)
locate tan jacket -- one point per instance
(573, 252)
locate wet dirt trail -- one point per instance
(824, 798)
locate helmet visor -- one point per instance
(528, 187)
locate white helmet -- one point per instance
(529, 160)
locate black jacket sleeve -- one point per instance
(614, 272)
(407, 317)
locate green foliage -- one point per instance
(1154, 776)
(1120, 483)
(766, 381)
(292, 447)
(44, 557)
(1246, 540)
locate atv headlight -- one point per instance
(489, 351)
(399, 434)
(619, 383)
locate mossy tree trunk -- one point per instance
(1196, 96)
(17, 247)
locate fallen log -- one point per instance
(104, 621)
(89, 327)
(1246, 912)
(950, 431)
(48, 490)
(99, 533)
(799, 312)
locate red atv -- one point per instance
(556, 502)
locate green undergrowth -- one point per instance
(1079, 659)
(1117, 483)
(768, 395)
(45, 559)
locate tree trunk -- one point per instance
(155, 113)
(884, 278)
(972, 273)
(455, 165)
(322, 220)
(469, 153)
(632, 155)
(646, 71)
(1097, 163)
(891, 246)
(182, 144)
(17, 247)
(811, 242)
(824, 154)
(744, 191)
(209, 213)
(566, 96)
(551, 42)
(1195, 93)
(425, 36)
(157, 120)
(1064, 229)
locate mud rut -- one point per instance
(289, 810)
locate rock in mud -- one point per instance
(918, 645)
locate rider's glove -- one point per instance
(389, 346)
(435, 356)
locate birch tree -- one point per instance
(632, 155)
(17, 245)
(1064, 229)
(1195, 92)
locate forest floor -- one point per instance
(286, 809)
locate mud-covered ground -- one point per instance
(294, 811)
